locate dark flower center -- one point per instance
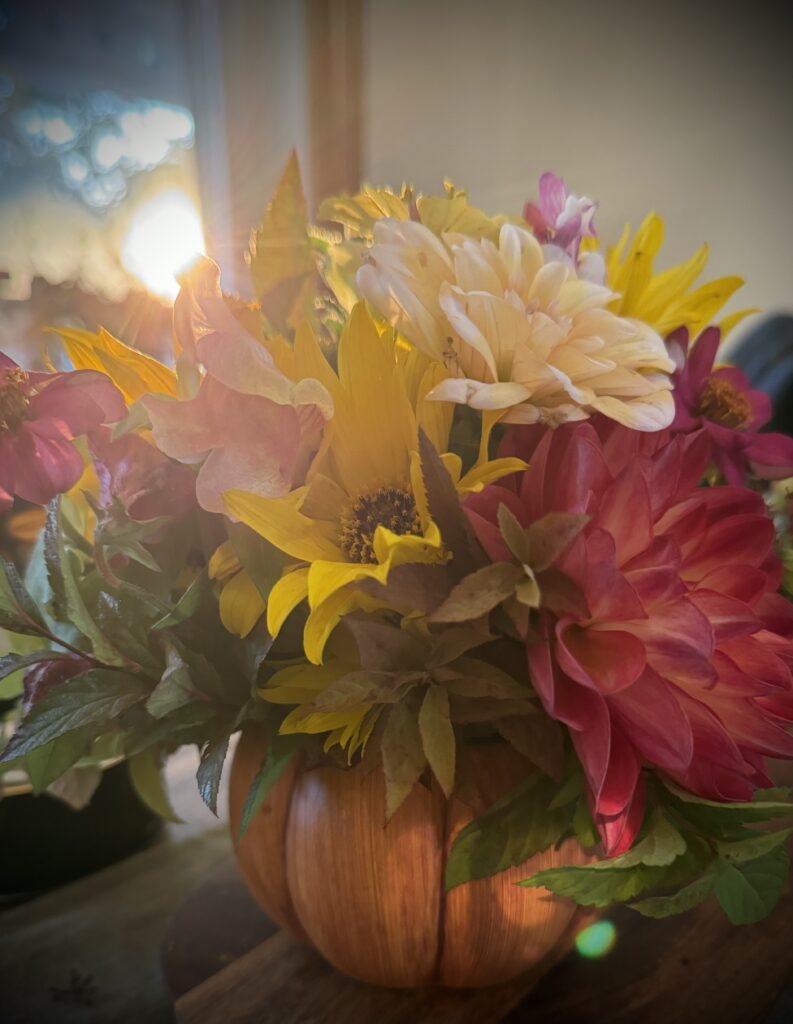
(722, 403)
(14, 400)
(388, 506)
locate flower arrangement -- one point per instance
(452, 479)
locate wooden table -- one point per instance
(174, 925)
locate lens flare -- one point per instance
(163, 236)
(597, 940)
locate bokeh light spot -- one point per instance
(597, 940)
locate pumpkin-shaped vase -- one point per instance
(369, 896)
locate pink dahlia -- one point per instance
(40, 416)
(248, 427)
(678, 657)
(721, 402)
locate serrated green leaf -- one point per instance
(515, 828)
(689, 896)
(756, 844)
(175, 688)
(145, 771)
(19, 613)
(188, 603)
(50, 552)
(78, 613)
(602, 883)
(125, 623)
(713, 813)
(437, 736)
(97, 696)
(595, 888)
(280, 752)
(662, 844)
(403, 756)
(479, 593)
(749, 891)
(213, 757)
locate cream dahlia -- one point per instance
(519, 332)
(678, 654)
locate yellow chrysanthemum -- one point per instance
(668, 299)
(363, 510)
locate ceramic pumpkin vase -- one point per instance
(369, 897)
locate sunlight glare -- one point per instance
(164, 235)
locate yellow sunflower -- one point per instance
(668, 299)
(363, 510)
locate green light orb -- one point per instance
(596, 940)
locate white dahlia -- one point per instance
(516, 329)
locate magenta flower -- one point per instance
(722, 404)
(147, 483)
(249, 426)
(40, 416)
(560, 219)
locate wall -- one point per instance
(681, 108)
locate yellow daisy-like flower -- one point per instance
(363, 510)
(668, 299)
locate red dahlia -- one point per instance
(680, 659)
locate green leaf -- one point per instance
(618, 879)
(749, 891)
(662, 844)
(213, 757)
(77, 610)
(263, 561)
(515, 536)
(437, 736)
(145, 771)
(756, 844)
(13, 662)
(125, 623)
(383, 647)
(550, 536)
(714, 813)
(97, 696)
(584, 826)
(403, 756)
(18, 611)
(188, 603)
(478, 593)
(46, 764)
(366, 687)
(280, 752)
(49, 539)
(175, 687)
(470, 677)
(447, 513)
(515, 828)
(689, 896)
